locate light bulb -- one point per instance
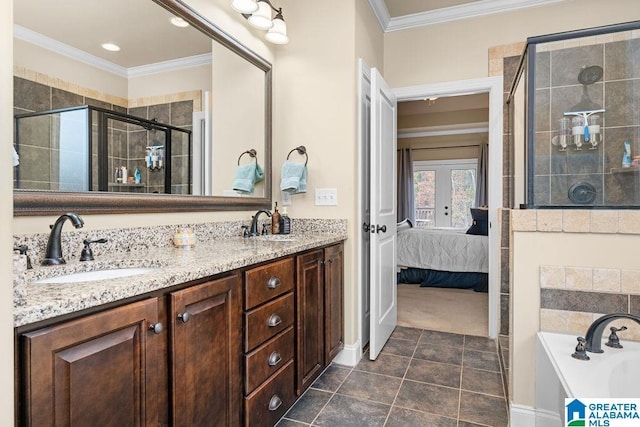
(261, 18)
(244, 6)
(278, 33)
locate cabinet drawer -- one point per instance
(267, 320)
(267, 359)
(267, 282)
(266, 405)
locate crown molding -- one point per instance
(443, 130)
(449, 14)
(48, 43)
(381, 12)
(172, 65)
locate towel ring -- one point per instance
(252, 153)
(301, 150)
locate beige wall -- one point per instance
(6, 213)
(176, 81)
(315, 106)
(369, 36)
(458, 50)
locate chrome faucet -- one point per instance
(53, 254)
(253, 231)
(593, 338)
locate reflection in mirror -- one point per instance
(85, 115)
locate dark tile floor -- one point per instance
(421, 378)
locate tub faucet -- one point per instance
(53, 254)
(253, 231)
(594, 333)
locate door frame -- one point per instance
(494, 87)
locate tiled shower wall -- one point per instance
(128, 142)
(558, 91)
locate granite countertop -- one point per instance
(173, 266)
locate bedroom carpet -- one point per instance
(461, 311)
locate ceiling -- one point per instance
(444, 105)
(407, 7)
(140, 27)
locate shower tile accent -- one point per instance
(588, 302)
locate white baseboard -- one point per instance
(522, 416)
(350, 355)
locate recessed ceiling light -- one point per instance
(179, 22)
(111, 47)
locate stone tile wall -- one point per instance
(572, 297)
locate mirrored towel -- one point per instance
(246, 177)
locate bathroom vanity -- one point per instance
(251, 327)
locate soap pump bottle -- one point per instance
(275, 220)
(285, 222)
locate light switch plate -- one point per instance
(285, 198)
(326, 196)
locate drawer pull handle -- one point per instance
(275, 402)
(274, 320)
(274, 358)
(273, 283)
(156, 328)
(184, 317)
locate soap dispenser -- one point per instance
(285, 222)
(275, 220)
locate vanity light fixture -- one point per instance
(110, 47)
(179, 22)
(259, 13)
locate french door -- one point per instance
(445, 190)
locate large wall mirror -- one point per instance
(178, 119)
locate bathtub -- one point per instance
(612, 374)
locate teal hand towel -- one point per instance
(246, 177)
(293, 177)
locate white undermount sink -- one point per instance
(91, 276)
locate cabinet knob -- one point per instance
(156, 327)
(184, 317)
(274, 320)
(273, 283)
(274, 358)
(275, 402)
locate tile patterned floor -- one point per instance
(421, 378)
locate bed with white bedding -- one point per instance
(443, 258)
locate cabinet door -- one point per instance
(206, 352)
(99, 370)
(333, 301)
(310, 318)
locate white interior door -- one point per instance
(383, 291)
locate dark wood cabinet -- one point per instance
(206, 336)
(269, 342)
(97, 370)
(319, 311)
(333, 301)
(235, 350)
(310, 318)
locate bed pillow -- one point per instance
(405, 223)
(480, 222)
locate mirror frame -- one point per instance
(26, 202)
